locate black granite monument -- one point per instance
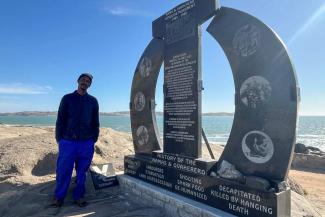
(249, 178)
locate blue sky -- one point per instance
(46, 44)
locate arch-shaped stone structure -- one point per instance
(261, 142)
(263, 134)
(142, 103)
(266, 96)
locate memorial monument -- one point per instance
(249, 178)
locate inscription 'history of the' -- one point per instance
(249, 178)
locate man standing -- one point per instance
(77, 130)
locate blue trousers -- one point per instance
(78, 153)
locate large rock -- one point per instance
(308, 162)
(301, 148)
(315, 151)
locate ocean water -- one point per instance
(311, 129)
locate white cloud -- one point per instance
(11, 97)
(20, 88)
(123, 11)
(48, 87)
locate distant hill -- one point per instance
(28, 113)
(121, 113)
(219, 114)
(48, 113)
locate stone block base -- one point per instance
(174, 204)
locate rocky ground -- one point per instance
(27, 172)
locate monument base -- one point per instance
(190, 177)
(173, 204)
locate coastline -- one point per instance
(310, 130)
(17, 171)
(119, 113)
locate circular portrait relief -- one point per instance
(142, 135)
(255, 91)
(247, 40)
(139, 101)
(257, 147)
(145, 67)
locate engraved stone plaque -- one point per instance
(180, 28)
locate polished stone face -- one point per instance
(176, 43)
(180, 28)
(263, 133)
(256, 159)
(142, 103)
(189, 177)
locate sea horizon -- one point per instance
(127, 113)
(310, 129)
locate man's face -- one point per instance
(84, 82)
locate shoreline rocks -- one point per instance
(308, 158)
(303, 149)
(308, 162)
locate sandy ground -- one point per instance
(27, 173)
(314, 185)
(27, 176)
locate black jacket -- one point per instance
(78, 118)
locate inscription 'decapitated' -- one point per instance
(237, 200)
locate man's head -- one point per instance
(84, 81)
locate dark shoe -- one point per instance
(57, 203)
(81, 202)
